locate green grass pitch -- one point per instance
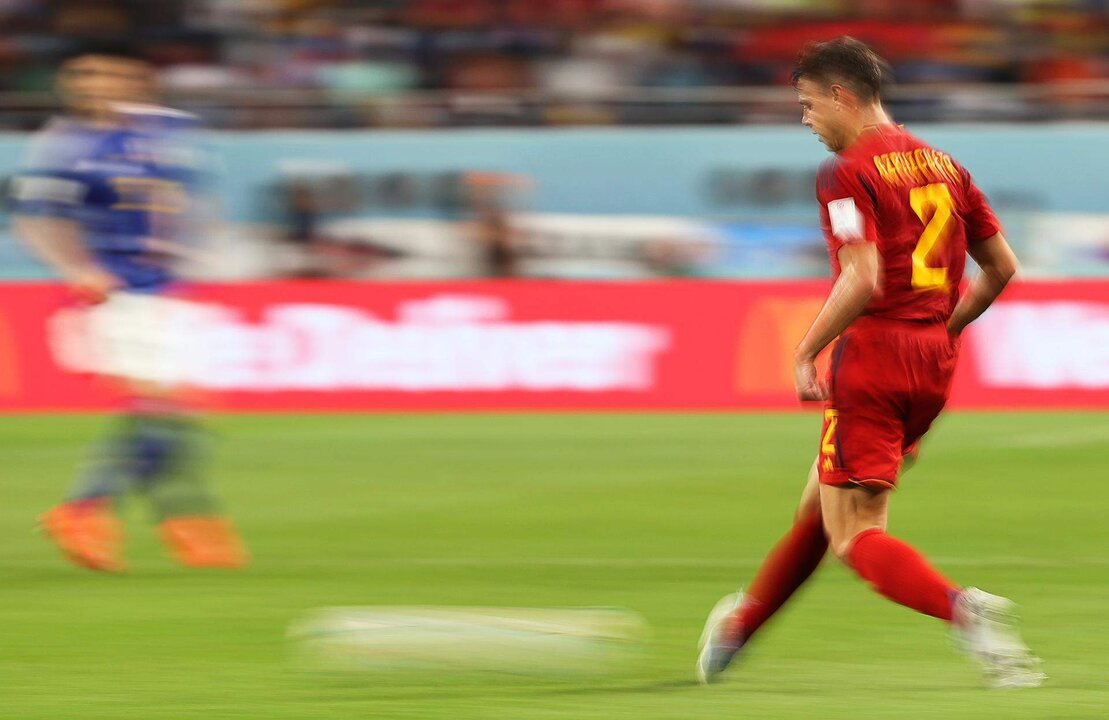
(660, 514)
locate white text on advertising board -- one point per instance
(1044, 345)
(443, 343)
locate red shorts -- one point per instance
(888, 381)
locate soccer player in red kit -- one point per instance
(899, 218)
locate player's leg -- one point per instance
(985, 625)
(170, 460)
(855, 520)
(156, 449)
(85, 526)
(171, 442)
(786, 567)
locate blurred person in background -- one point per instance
(105, 198)
(490, 224)
(307, 248)
(899, 218)
(303, 238)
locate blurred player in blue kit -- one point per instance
(107, 198)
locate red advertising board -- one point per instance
(534, 345)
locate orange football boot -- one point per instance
(204, 541)
(88, 532)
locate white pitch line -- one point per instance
(989, 561)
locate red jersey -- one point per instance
(919, 207)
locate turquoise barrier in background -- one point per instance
(680, 172)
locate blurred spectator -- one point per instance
(306, 248)
(675, 258)
(302, 230)
(490, 224)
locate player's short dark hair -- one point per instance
(846, 61)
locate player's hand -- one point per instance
(805, 379)
(94, 285)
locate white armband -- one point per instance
(846, 220)
(48, 189)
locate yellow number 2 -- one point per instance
(828, 442)
(935, 208)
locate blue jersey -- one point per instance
(128, 187)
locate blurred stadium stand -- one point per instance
(247, 64)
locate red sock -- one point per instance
(899, 572)
(786, 567)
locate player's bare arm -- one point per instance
(998, 264)
(852, 291)
(57, 242)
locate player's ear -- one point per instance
(845, 98)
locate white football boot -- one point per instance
(716, 651)
(985, 627)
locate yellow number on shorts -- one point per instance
(828, 443)
(934, 206)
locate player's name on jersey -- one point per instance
(916, 167)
